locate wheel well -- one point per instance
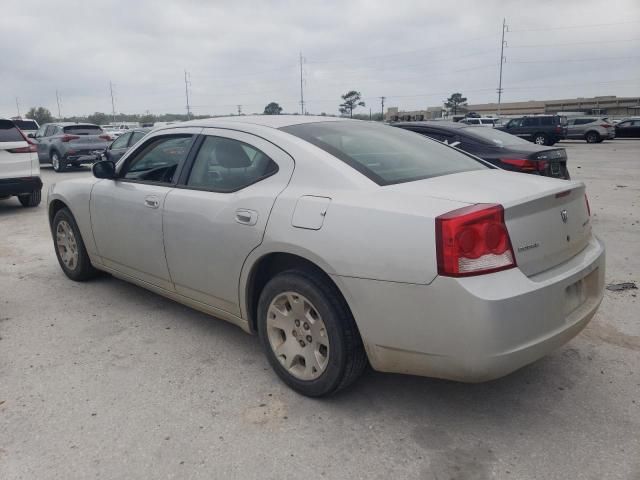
(54, 207)
(269, 266)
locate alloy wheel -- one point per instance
(67, 245)
(55, 161)
(298, 336)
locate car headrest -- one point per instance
(230, 154)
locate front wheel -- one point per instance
(70, 250)
(31, 200)
(308, 334)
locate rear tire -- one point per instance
(283, 328)
(540, 139)
(58, 163)
(31, 200)
(70, 250)
(592, 137)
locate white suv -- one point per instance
(19, 166)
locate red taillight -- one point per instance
(472, 241)
(586, 200)
(67, 138)
(526, 165)
(31, 148)
(106, 137)
(558, 129)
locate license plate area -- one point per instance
(555, 168)
(576, 294)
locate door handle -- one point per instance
(246, 217)
(151, 201)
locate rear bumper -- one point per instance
(476, 329)
(19, 186)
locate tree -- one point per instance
(40, 115)
(98, 118)
(454, 101)
(351, 102)
(272, 109)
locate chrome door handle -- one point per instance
(151, 202)
(246, 217)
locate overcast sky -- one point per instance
(246, 52)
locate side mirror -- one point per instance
(104, 169)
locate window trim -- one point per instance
(179, 168)
(191, 160)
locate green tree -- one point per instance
(40, 115)
(98, 118)
(351, 102)
(273, 109)
(454, 101)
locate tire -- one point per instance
(31, 200)
(540, 139)
(343, 359)
(64, 224)
(58, 163)
(592, 137)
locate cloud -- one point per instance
(413, 52)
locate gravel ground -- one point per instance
(106, 380)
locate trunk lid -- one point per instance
(547, 219)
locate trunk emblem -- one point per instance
(565, 216)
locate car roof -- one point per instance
(435, 124)
(273, 121)
(69, 124)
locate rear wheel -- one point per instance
(592, 137)
(70, 250)
(30, 200)
(308, 334)
(58, 163)
(540, 139)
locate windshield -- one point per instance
(494, 137)
(385, 154)
(26, 124)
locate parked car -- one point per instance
(19, 167)
(628, 128)
(539, 129)
(496, 147)
(484, 121)
(591, 129)
(27, 125)
(381, 245)
(121, 144)
(70, 144)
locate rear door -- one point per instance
(218, 213)
(15, 162)
(529, 127)
(43, 137)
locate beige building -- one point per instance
(607, 105)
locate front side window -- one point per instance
(385, 154)
(227, 165)
(158, 160)
(136, 137)
(515, 123)
(120, 142)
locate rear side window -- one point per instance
(83, 130)
(384, 154)
(227, 165)
(546, 121)
(26, 124)
(530, 122)
(9, 132)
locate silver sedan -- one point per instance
(341, 243)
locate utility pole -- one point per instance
(58, 102)
(239, 110)
(382, 99)
(301, 86)
(369, 113)
(186, 92)
(505, 28)
(113, 103)
(18, 106)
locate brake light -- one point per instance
(586, 200)
(67, 138)
(31, 148)
(472, 241)
(526, 165)
(605, 125)
(106, 137)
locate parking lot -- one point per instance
(107, 380)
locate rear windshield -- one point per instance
(494, 137)
(26, 124)
(385, 154)
(9, 132)
(83, 130)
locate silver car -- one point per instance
(341, 243)
(591, 129)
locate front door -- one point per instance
(126, 213)
(219, 212)
(118, 148)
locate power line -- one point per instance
(563, 27)
(576, 60)
(564, 44)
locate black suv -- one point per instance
(539, 129)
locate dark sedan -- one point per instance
(629, 128)
(121, 144)
(499, 148)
